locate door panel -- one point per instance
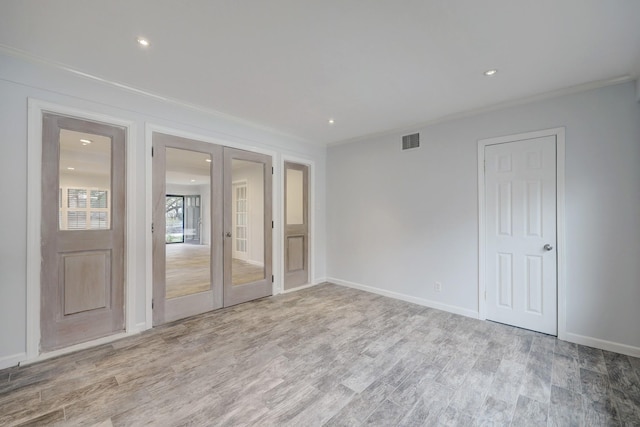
(85, 279)
(247, 225)
(83, 211)
(187, 272)
(296, 228)
(520, 191)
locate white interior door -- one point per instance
(520, 209)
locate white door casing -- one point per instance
(520, 212)
(34, 171)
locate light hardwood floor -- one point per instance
(327, 355)
(188, 270)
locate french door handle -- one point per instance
(547, 247)
(227, 234)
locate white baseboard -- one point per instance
(604, 344)
(81, 346)
(416, 300)
(12, 360)
(319, 280)
(142, 326)
(299, 288)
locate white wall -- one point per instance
(21, 79)
(400, 221)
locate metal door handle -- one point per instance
(547, 247)
(228, 234)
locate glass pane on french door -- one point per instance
(247, 215)
(188, 259)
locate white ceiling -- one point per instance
(372, 65)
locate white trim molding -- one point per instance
(408, 298)
(559, 133)
(12, 360)
(603, 344)
(77, 347)
(36, 108)
(34, 59)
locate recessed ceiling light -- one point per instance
(207, 160)
(490, 72)
(331, 121)
(70, 168)
(143, 42)
(86, 141)
(193, 180)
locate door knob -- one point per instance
(547, 247)
(228, 234)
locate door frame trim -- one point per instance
(148, 237)
(36, 109)
(559, 133)
(311, 219)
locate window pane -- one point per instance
(99, 221)
(295, 197)
(84, 173)
(248, 222)
(76, 220)
(188, 225)
(99, 199)
(76, 198)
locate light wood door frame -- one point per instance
(236, 294)
(301, 276)
(167, 310)
(60, 329)
(559, 133)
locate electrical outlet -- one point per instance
(438, 287)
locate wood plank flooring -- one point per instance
(327, 355)
(188, 270)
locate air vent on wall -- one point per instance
(411, 141)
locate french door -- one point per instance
(247, 226)
(230, 261)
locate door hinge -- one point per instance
(485, 295)
(151, 151)
(152, 227)
(271, 224)
(272, 278)
(271, 170)
(152, 305)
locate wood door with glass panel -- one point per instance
(82, 231)
(247, 226)
(296, 227)
(187, 227)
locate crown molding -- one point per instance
(494, 107)
(26, 56)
